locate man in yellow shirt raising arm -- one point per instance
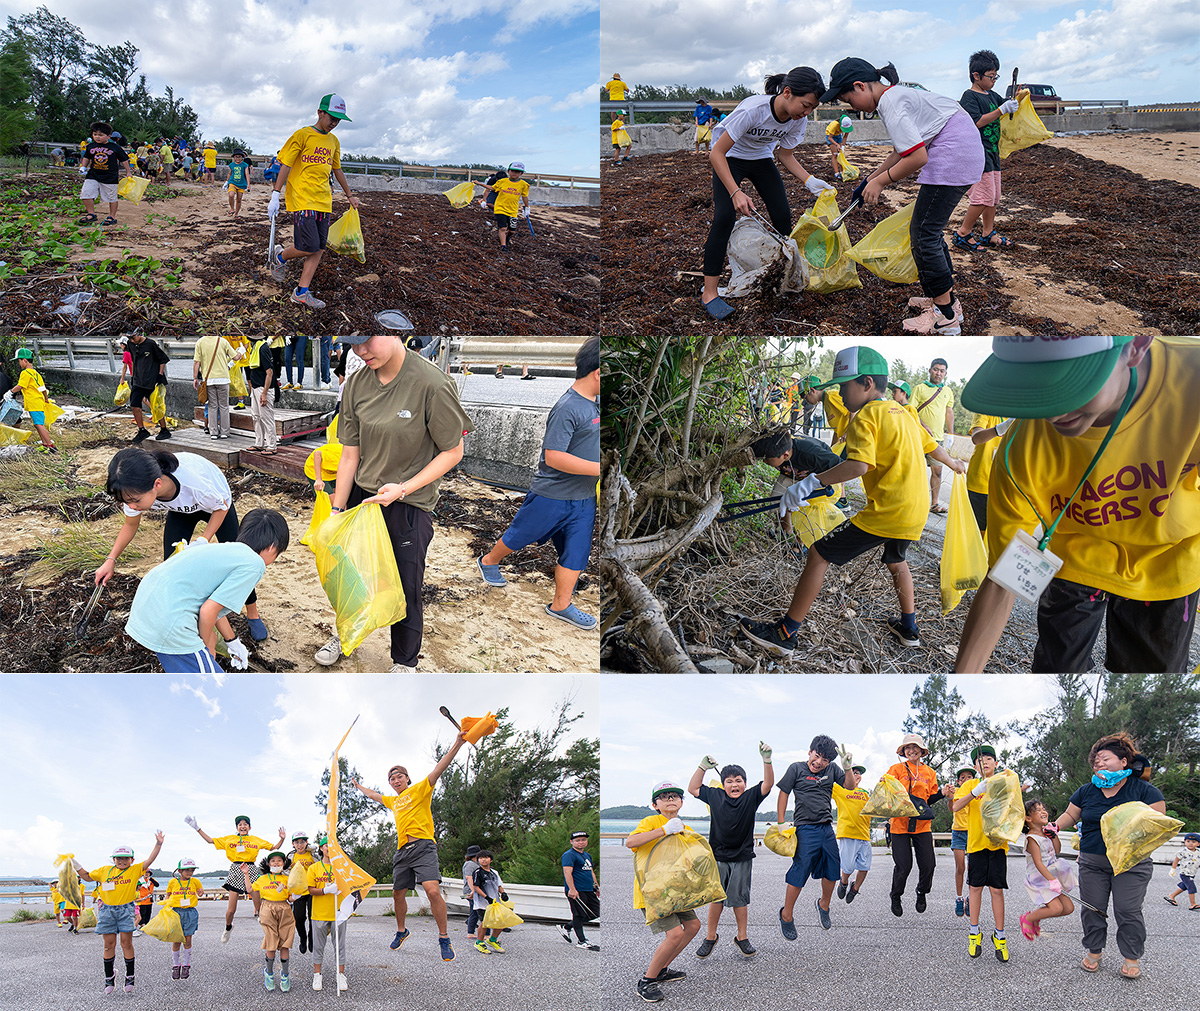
(1094, 500)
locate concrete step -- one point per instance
(289, 423)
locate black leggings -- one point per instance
(903, 846)
(181, 526)
(769, 183)
(583, 910)
(302, 910)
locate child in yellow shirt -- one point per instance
(34, 396)
(275, 917)
(183, 895)
(322, 889)
(242, 851)
(958, 839)
(302, 856)
(853, 833)
(511, 193)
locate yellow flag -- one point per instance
(349, 876)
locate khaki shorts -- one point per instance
(278, 924)
(93, 188)
(665, 923)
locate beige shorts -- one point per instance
(93, 188)
(278, 924)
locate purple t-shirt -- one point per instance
(951, 139)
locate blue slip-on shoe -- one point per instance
(788, 927)
(718, 308)
(258, 629)
(823, 914)
(399, 939)
(490, 573)
(573, 616)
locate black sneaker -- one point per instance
(647, 989)
(745, 947)
(771, 636)
(920, 902)
(787, 926)
(163, 433)
(669, 975)
(706, 947)
(851, 895)
(907, 636)
(142, 435)
(566, 933)
(897, 909)
(842, 890)
(842, 503)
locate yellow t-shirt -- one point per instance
(55, 896)
(323, 906)
(615, 127)
(979, 470)
(210, 157)
(305, 859)
(834, 130)
(960, 817)
(884, 438)
(214, 355)
(166, 155)
(933, 415)
(412, 811)
(184, 894)
(117, 887)
(508, 195)
(272, 886)
(242, 849)
(1134, 527)
(28, 383)
(616, 90)
(976, 840)
(646, 825)
(310, 155)
(836, 415)
(851, 822)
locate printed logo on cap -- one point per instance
(846, 364)
(1049, 348)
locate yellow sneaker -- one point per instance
(974, 944)
(1001, 946)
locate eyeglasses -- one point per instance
(669, 796)
(990, 77)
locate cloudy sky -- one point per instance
(454, 81)
(659, 727)
(1141, 50)
(106, 760)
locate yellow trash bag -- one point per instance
(830, 269)
(165, 926)
(87, 918)
(849, 172)
(817, 518)
(133, 189)
(237, 382)
(158, 403)
(346, 236)
(781, 841)
(53, 412)
(964, 557)
(10, 436)
(68, 880)
(1022, 129)
(889, 799)
(1002, 808)
(357, 568)
(121, 397)
(500, 915)
(1133, 831)
(322, 510)
(704, 133)
(886, 250)
(460, 195)
(298, 879)
(676, 873)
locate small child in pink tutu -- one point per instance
(1047, 877)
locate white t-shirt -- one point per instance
(914, 117)
(202, 488)
(755, 130)
(353, 364)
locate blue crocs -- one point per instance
(718, 308)
(258, 629)
(490, 573)
(573, 615)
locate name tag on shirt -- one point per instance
(186, 901)
(1024, 569)
(109, 886)
(241, 847)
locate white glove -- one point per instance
(524, 212)
(200, 540)
(817, 186)
(329, 889)
(1004, 426)
(1009, 106)
(708, 762)
(8, 395)
(273, 206)
(948, 442)
(190, 821)
(83, 170)
(980, 789)
(239, 656)
(795, 494)
(849, 759)
(673, 826)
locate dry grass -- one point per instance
(79, 547)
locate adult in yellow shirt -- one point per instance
(183, 895)
(210, 162)
(306, 161)
(886, 451)
(615, 90)
(934, 403)
(242, 851)
(416, 859)
(853, 833)
(167, 158)
(958, 838)
(117, 883)
(986, 431)
(1129, 538)
(511, 193)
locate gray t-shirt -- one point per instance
(572, 427)
(812, 792)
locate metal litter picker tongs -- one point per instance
(82, 623)
(856, 199)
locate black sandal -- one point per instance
(967, 242)
(87, 219)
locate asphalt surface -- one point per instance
(872, 960)
(46, 967)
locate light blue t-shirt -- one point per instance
(165, 614)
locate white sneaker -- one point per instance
(137, 932)
(316, 981)
(330, 653)
(225, 934)
(399, 668)
(278, 270)
(327, 386)
(342, 984)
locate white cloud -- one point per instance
(213, 706)
(27, 847)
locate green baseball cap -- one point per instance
(903, 387)
(335, 105)
(853, 362)
(983, 749)
(860, 769)
(1041, 376)
(966, 768)
(23, 353)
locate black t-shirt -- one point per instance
(811, 455)
(731, 823)
(1094, 805)
(105, 158)
(147, 357)
(978, 104)
(812, 792)
(268, 358)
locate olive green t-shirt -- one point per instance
(400, 427)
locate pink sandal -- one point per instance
(1030, 931)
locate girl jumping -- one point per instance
(1047, 878)
(275, 917)
(242, 851)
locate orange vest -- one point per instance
(145, 894)
(922, 783)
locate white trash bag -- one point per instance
(753, 251)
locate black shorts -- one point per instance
(846, 542)
(979, 508)
(504, 221)
(138, 394)
(310, 230)
(987, 868)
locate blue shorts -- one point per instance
(189, 920)
(958, 839)
(855, 855)
(567, 523)
(1187, 884)
(816, 856)
(200, 662)
(37, 417)
(115, 919)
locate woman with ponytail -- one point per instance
(744, 147)
(930, 134)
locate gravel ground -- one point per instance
(871, 960)
(46, 967)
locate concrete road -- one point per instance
(870, 960)
(45, 967)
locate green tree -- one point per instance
(537, 860)
(17, 120)
(937, 714)
(359, 817)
